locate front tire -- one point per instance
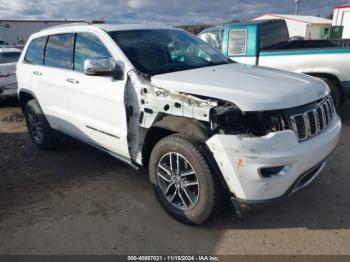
(183, 181)
(39, 129)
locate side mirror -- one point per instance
(103, 67)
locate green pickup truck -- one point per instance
(267, 43)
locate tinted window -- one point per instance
(59, 51)
(88, 46)
(238, 42)
(161, 51)
(273, 34)
(9, 57)
(35, 51)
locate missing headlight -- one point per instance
(231, 120)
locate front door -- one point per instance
(96, 103)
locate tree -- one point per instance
(330, 16)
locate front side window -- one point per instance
(158, 51)
(59, 51)
(237, 42)
(9, 57)
(88, 46)
(35, 52)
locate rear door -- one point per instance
(48, 79)
(33, 59)
(97, 108)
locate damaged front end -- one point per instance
(229, 119)
(257, 154)
(147, 105)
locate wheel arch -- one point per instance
(329, 76)
(24, 96)
(168, 125)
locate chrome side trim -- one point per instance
(310, 180)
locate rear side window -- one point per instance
(273, 34)
(59, 51)
(9, 57)
(35, 51)
(88, 46)
(238, 42)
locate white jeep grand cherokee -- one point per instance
(162, 100)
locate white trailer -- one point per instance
(341, 17)
(308, 27)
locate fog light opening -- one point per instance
(267, 172)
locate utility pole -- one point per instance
(296, 6)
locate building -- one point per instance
(17, 32)
(341, 21)
(308, 27)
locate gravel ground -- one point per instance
(77, 200)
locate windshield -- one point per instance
(9, 57)
(161, 51)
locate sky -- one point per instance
(169, 12)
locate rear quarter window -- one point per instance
(273, 34)
(35, 51)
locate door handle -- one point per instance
(37, 73)
(73, 81)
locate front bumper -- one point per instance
(244, 206)
(240, 158)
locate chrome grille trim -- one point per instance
(307, 124)
(329, 112)
(323, 117)
(317, 120)
(312, 122)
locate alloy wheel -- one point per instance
(178, 181)
(34, 126)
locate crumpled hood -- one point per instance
(251, 88)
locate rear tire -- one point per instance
(39, 129)
(194, 204)
(335, 92)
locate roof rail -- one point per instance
(90, 22)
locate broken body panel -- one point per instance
(240, 157)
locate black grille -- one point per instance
(312, 119)
(299, 122)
